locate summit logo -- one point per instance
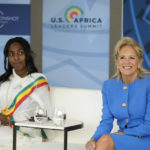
(75, 20)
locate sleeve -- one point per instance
(106, 123)
(3, 87)
(144, 128)
(42, 96)
(0, 99)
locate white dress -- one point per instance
(38, 98)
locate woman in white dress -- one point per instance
(22, 88)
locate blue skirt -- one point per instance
(126, 142)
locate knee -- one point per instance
(105, 140)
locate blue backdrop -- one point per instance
(136, 24)
(76, 42)
(14, 21)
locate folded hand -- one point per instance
(4, 120)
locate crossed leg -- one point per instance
(105, 143)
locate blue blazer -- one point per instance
(129, 104)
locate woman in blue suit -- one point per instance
(126, 97)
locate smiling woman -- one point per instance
(127, 62)
(129, 57)
(121, 94)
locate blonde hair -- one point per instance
(127, 41)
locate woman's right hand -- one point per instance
(91, 145)
(4, 120)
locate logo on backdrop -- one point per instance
(14, 19)
(74, 20)
(4, 19)
(72, 12)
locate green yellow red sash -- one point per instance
(23, 95)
